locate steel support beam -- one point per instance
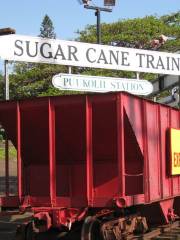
(52, 160)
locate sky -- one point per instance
(69, 16)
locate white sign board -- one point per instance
(35, 49)
(87, 83)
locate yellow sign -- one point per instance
(175, 151)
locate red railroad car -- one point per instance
(96, 153)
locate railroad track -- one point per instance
(9, 224)
(165, 232)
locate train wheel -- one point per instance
(20, 232)
(30, 234)
(91, 229)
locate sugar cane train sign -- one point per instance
(35, 49)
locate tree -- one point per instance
(46, 31)
(34, 79)
(35, 82)
(172, 19)
(47, 28)
(138, 32)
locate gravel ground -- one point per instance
(8, 224)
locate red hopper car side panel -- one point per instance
(35, 149)
(164, 125)
(70, 145)
(133, 109)
(133, 148)
(153, 150)
(175, 123)
(104, 150)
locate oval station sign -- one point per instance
(87, 83)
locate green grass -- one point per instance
(12, 151)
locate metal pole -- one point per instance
(98, 15)
(137, 75)
(7, 166)
(6, 93)
(6, 79)
(69, 69)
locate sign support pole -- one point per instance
(137, 75)
(6, 79)
(98, 15)
(6, 93)
(69, 69)
(7, 165)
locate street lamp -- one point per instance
(109, 3)
(98, 11)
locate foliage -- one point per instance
(32, 79)
(2, 134)
(172, 19)
(35, 82)
(47, 28)
(138, 32)
(12, 152)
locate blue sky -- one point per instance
(68, 16)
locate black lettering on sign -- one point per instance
(140, 55)
(42, 50)
(59, 53)
(175, 63)
(88, 55)
(125, 59)
(72, 53)
(150, 61)
(160, 63)
(114, 57)
(18, 45)
(34, 51)
(102, 57)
